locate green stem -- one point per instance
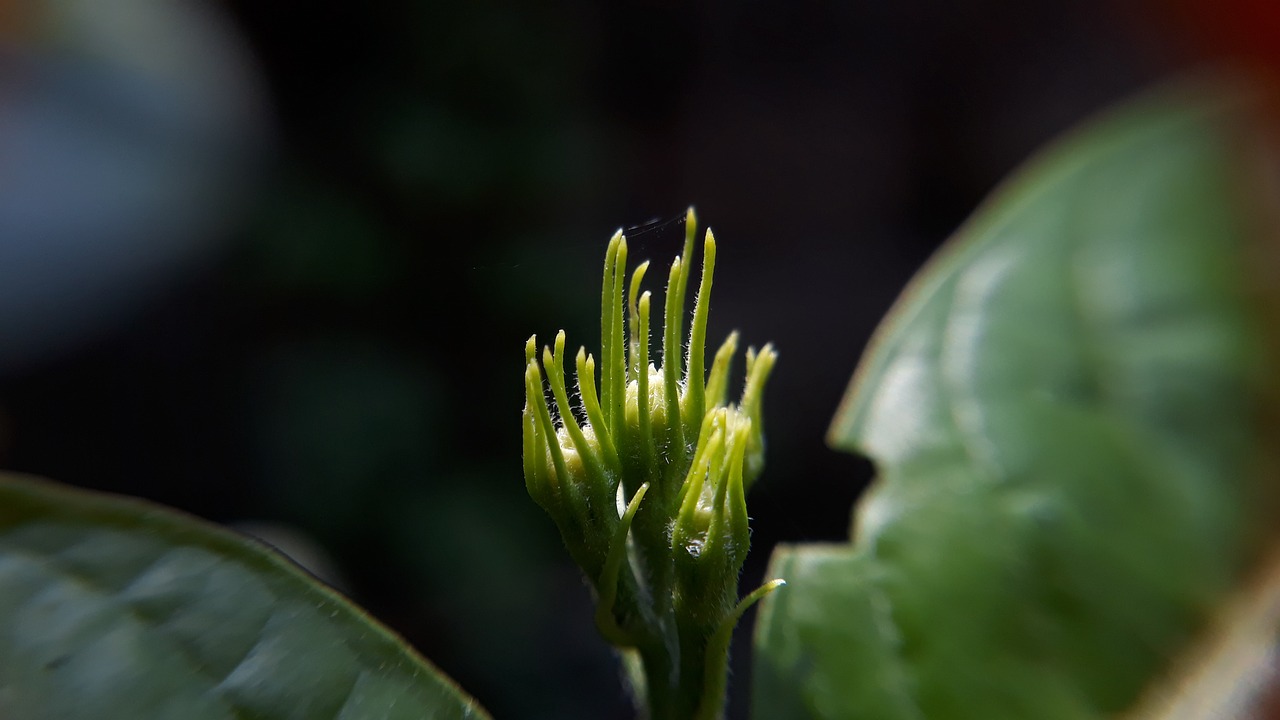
(667, 696)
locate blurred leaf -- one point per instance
(1064, 410)
(116, 608)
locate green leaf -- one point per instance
(118, 608)
(1064, 410)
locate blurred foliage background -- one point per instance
(274, 263)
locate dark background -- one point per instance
(375, 205)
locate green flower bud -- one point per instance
(646, 479)
(656, 407)
(712, 522)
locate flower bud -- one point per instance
(646, 479)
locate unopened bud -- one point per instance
(646, 479)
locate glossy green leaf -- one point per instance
(118, 608)
(1064, 412)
